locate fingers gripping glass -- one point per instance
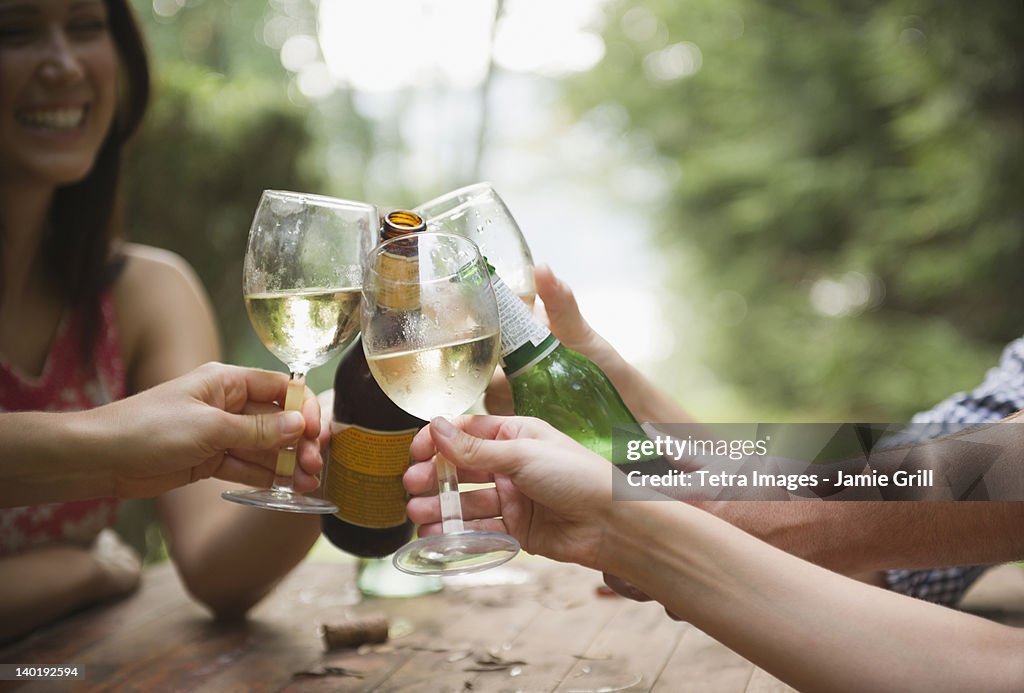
(301, 283)
(431, 338)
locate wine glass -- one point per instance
(301, 282)
(478, 213)
(431, 338)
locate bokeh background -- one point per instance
(782, 210)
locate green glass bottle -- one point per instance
(551, 382)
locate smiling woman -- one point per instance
(86, 319)
(59, 72)
(61, 133)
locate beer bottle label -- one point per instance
(364, 478)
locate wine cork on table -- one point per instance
(362, 631)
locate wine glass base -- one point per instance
(457, 553)
(270, 499)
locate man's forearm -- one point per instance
(853, 537)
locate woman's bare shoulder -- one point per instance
(148, 263)
(158, 295)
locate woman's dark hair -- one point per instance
(85, 218)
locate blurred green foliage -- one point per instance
(226, 122)
(208, 148)
(231, 37)
(848, 193)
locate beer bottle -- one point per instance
(369, 450)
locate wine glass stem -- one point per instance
(284, 472)
(448, 491)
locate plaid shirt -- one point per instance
(1001, 394)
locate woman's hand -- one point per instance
(119, 568)
(47, 582)
(557, 510)
(567, 322)
(216, 421)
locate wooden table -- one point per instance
(546, 629)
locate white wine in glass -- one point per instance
(302, 287)
(305, 328)
(431, 338)
(429, 381)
